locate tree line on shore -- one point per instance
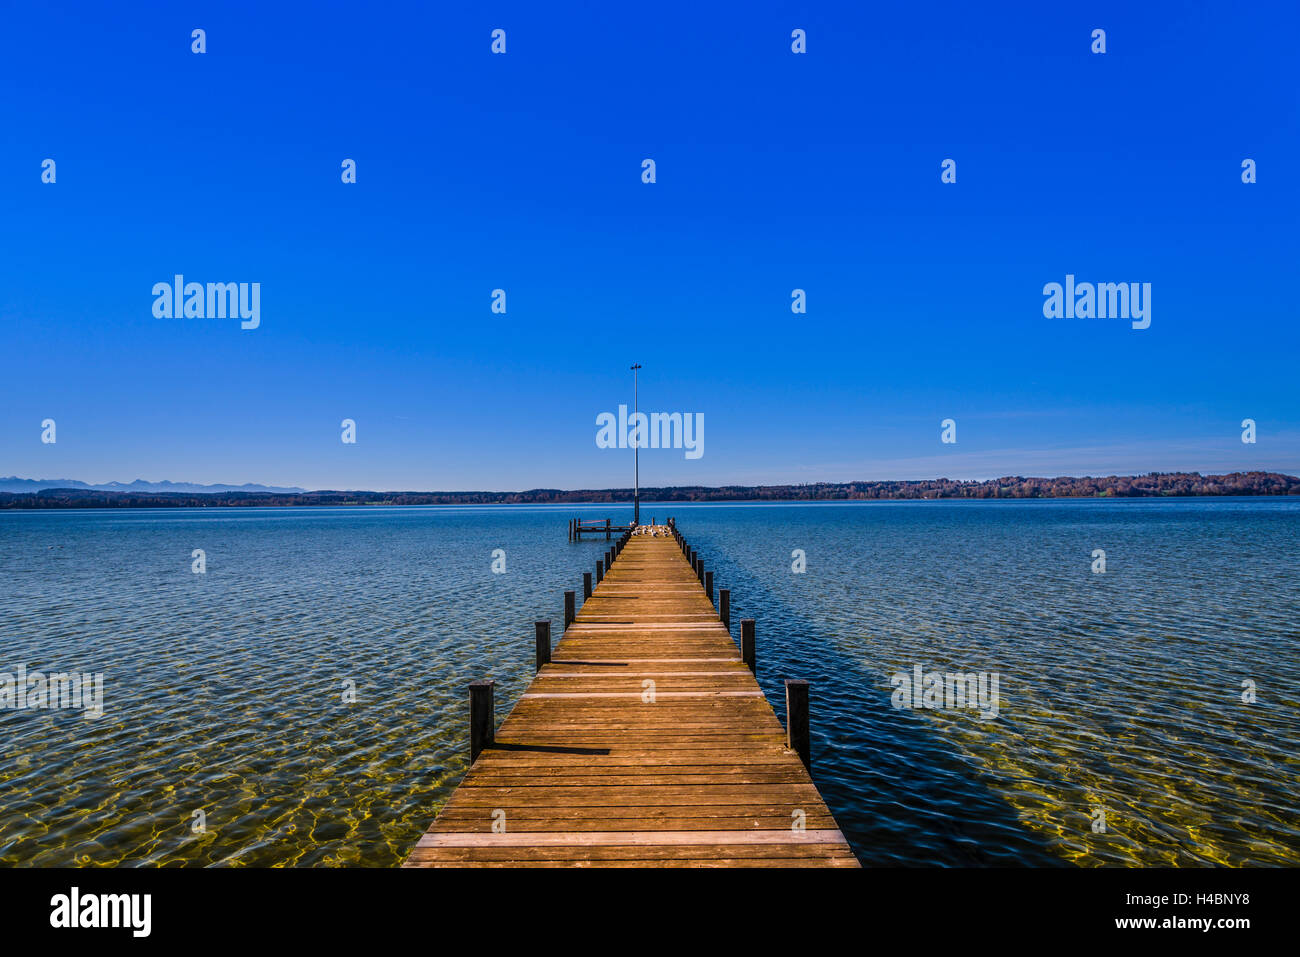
(1152, 485)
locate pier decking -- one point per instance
(645, 741)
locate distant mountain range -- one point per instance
(18, 485)
(50, 494)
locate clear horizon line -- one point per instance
(303, 490)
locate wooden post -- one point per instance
(708, 586)
(586, 585)
(482, 720)
(724, 607)
(699, 569)
(747, 654)
(543, 643)
(797, 736)
(606, 529)
(600, 571)
(569, 615)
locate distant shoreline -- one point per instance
(1153, 485)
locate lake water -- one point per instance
(1122, 736)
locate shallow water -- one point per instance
(1119, 693)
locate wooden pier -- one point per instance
(644, 740)
(595, 529)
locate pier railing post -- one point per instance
(724, 607)
(586, 585)
(747, 654)
(797, 736)
(699, 569)
(600, 571)
(482, 720)
(543, 643)
(569, 614)
(708, 586)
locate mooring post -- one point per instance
(724, 607)
(797, 736)
(747, 644)
(481, 718)
(708, 586)
(606, 529)
(699, 569)
(600, 571)
(586, 585)
(569, 615)
(543, 643)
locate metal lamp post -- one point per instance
(636, 451)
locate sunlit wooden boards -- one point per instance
(645, 742)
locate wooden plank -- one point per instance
(629, 838)
(644, 741)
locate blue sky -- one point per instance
(775, 171)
